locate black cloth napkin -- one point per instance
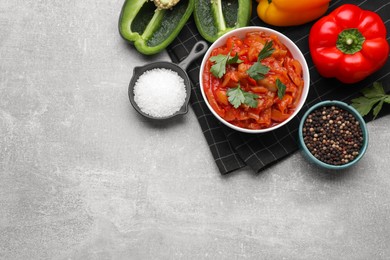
(233, 150)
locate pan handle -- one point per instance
(198, 50)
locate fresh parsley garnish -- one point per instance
(258, 71)
(251, 99)
(233, 60)
(219, 68)
(266, 51)
(372, 96)
(281, 88)
(238, 96)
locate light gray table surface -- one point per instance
(82, 176)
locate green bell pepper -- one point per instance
(152, 29)
(214, 18)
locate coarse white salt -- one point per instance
(160, 92)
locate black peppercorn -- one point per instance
(333, 135)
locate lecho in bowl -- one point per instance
(254, 79)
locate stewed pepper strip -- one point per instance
(152, 29)
(214, 18)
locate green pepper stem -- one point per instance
(350, 41)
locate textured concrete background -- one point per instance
(82, 176)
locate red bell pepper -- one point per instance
(349, 44)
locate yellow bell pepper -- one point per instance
(291, 12)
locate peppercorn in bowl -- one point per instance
(254, 79)
(333, 135)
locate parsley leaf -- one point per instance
(281, 88)
(375, 91)
(372, 96)
(266, 51)
(258, 71)
(364, 104)
(219, 68)
(233, 60)
(237, 96)
(251, 99)
(377, 108)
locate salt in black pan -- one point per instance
(197, 51)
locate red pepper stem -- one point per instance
(350, 41)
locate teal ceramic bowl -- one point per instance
(308, 155)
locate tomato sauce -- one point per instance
(270, 110)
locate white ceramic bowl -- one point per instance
(296, 53)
